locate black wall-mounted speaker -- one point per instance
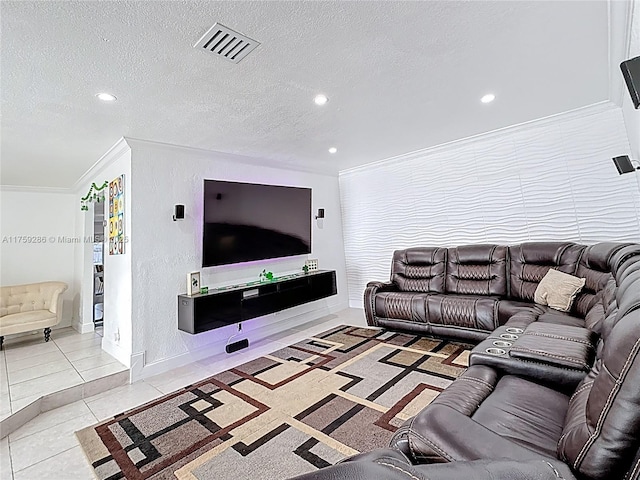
(623, 164)
(178, 212)
(235, 346)
(631, 73)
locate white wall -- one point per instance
(166, 251)
(553, 180)
(37, 231)
(117, 339)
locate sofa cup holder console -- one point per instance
(495, 351)
(509, 336)
(516, 351)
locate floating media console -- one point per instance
(229, 305)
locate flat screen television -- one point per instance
(243, 222)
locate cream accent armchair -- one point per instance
(30, 307)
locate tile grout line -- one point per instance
(11, 400)
(43, 460)
(41, 394)
(9, 441)
(50, 426)
(10, 457)
(41, 376)
(72, 365)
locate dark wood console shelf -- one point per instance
(228, 305)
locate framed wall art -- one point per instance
(116, 216)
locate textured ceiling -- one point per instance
(400, 76)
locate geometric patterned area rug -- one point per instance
(298, 409)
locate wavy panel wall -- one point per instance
(553, 181)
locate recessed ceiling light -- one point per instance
(106, 97)
(320, 99)
(333, 150)
(488, 98)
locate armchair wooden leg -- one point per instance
(1, 342)
(47, 334)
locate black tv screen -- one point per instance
(243, 222)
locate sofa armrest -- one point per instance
(55, 304)
(369, 299)
(383, 286)
(388, 465)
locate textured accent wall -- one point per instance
(550, 181)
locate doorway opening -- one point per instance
(98, 268)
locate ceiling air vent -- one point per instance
(226, 43)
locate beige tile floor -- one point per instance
(31, 368)
(46, 447)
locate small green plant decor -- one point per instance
(266, 276)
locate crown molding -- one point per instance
(581, 112)
(110, 156)
(231, 157)
(32, 189)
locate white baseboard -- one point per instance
(137, 366)
(255, 330)
(356, 304)
(80, 327)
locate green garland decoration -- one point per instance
(95, 194)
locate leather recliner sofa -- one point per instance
(508, 417)
(467, 292)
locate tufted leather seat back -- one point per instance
(602, 427)
(628, 291)
(530, 262)
(419, 269)
(30, 297)
(605, 309)
(594, 267)
(477, 270)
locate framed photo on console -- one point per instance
(193, 283)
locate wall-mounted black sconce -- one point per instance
(624, 164)
(320, 213)
(178, 212)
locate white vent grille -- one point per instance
(226, 43)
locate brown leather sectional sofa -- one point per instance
(548, 395)
(467, 292)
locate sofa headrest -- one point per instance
(481, 254)
(624, 258)
(553, 254)
(530, 262)
(594, 268)
(598, 256)
(477, 270)
(420, 269)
